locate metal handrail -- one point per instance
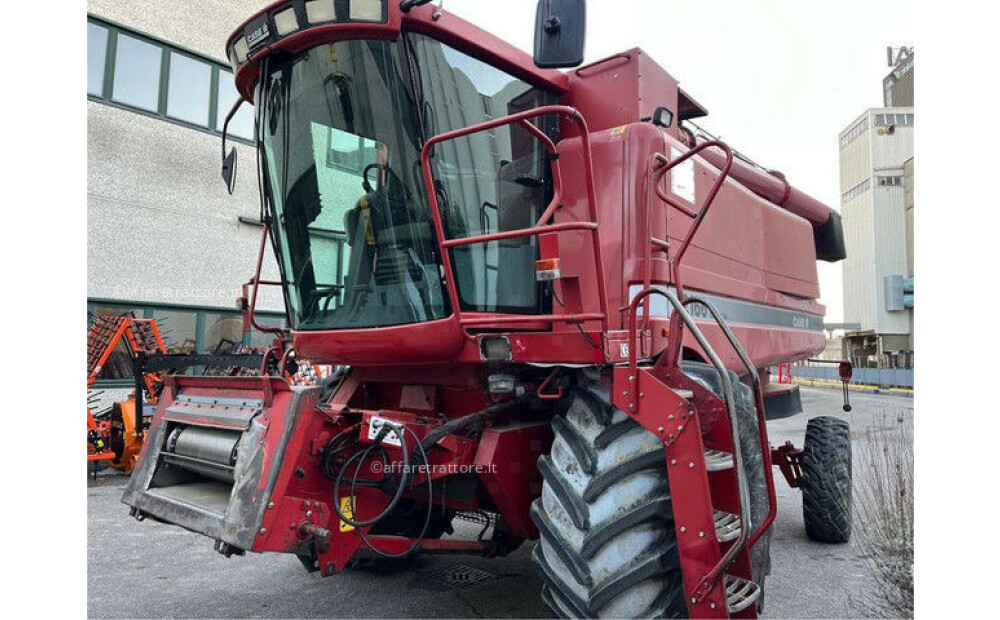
(727, 391)
(699, 215)
(772, 497)
(256, 281)
(673, 352)
(522, 119)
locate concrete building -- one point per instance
(874, 151)
(165, 239)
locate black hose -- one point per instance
(448, 428)
(386, 428)
(466, 422)
(430, 506)
(406, 5)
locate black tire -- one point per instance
(753, 460)
(826, 480)
(607, 545)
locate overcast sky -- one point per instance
(780, 78)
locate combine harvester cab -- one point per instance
(556, 300)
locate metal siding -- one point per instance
(859, 266)
(908, 200)
(902, 89)
(889, 155)
(882, 377)
(855, 160)
(890, 151)
(889, 252)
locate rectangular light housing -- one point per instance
(320, 11)
(285, 21)
(547, 269)
(241, 49)
(366, 10)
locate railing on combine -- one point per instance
(540, 227)
(698, 216)
(727, 393)
(680, 318)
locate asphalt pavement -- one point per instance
(152, 570)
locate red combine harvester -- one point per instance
(556, 298)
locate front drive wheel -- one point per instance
(826, 480)
(607, 545)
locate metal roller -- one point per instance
(207, 451)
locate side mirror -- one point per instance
(229, 160)
(560, 26)
(229, 170)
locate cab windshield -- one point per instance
(341, 126)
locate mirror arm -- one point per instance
(225, 124)
(229, 161)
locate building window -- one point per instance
(183, 329)
(158, 79)
(856, 191)
(179, 329)
(242, 123)
(137, 73)
(97, 53)
(854, 132)
(890, 181)
(223, 331)
(349, 152)
(885, 120)
(189, 89)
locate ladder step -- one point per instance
(727, 526)
(740, 593)
(716, 460)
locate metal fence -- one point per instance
(882, 377)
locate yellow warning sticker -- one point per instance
(347, 509)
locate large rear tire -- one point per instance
(607, 546)
(753, 459)
(826, 480)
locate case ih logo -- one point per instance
(258, 35)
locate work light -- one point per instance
(366, 10)
(285, 21)
(296, 15)
(320, 11)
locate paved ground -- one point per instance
(148, 570)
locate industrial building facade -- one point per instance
(164, 238)
(876, 164)
(897, 87)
